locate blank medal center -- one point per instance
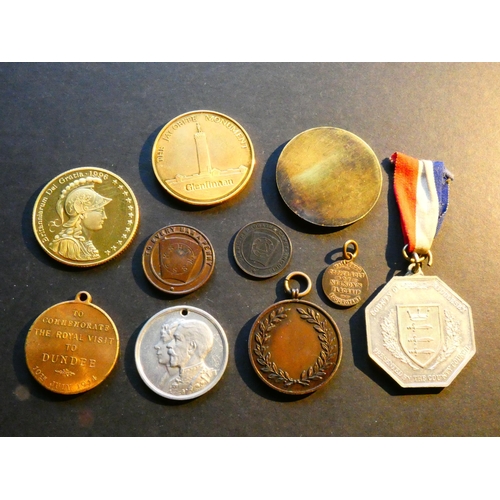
(294, 346)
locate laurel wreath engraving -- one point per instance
(452, 340)
(314, 372)
(391, 341)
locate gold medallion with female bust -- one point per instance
(72, 346)
(203, 157)
(85, 216)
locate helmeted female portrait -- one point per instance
(81, 210)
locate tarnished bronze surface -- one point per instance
(178, 259)
(295, 347)
(203, 157)
(329, 176)
(344, 282)
(262, 249)
(85, 216)
(72, 346)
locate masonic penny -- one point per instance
(178, 259)
(203, 157)
(262, 249)
(329, 177)
(173, 370)
(295, 347)
(85, 216)
(72, 346)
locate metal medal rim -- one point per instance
(143, 332)
(240, 258)
(193, 201)
(336, 332)
(176, 291)
(324, 223)
(79, 302)
(426, 384)
(102, 260)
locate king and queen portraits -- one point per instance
(181, 352)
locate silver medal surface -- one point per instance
(420, 331)
(181, 352)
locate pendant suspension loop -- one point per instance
(295, 292)
(414, 268)
(350, 255)
(415, 258)
(83, 296)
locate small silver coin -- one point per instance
(181, 352)
(262, 249)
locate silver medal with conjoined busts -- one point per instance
(181, 352)
(420, 331)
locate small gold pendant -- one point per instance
(344, 282)
(295, 347)
(72, 346)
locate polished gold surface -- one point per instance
(203, 157)
(72, 346)
(329, 176)
(85, 216)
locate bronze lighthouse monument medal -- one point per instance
(203, 157)
(418, 329)
(295, 347)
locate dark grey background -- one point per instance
(54, 117)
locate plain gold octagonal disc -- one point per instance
(329, 176)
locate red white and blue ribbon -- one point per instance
(421, 189)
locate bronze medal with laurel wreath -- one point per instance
(295, 347)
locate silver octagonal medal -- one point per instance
(420, 331)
